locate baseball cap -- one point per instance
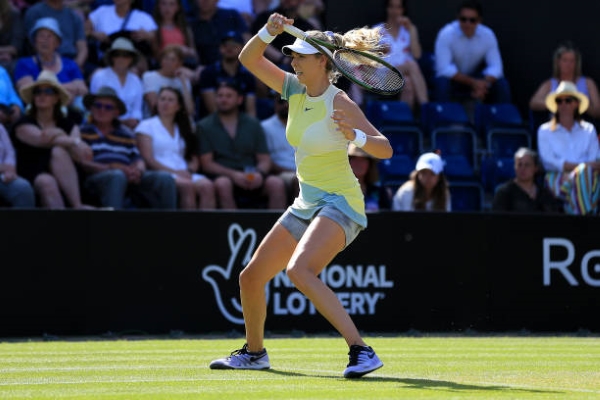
(233, 35)
(430, 161)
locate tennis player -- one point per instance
(329, 212)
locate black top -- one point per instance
(510, 197)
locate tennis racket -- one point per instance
(366, 70)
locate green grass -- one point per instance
(306, 368)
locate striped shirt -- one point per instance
(117, 147)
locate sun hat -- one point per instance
(45, 78)
(45, 23)
(299, 46)
(430, 161)
(566, 88)
(104, 92)
(121, 44)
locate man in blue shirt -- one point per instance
(467, 60)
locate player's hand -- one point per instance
(276, 22)
(344, 125)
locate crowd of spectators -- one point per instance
(105, 101)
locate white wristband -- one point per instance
(265, 36)
(360, 139)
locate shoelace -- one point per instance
(239, 352)
(354, 354)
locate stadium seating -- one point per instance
(407, 142)
(389, 112)
(467, 196)
(437, 114)
(457, 146)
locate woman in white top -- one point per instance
(402, 38)
(427, 188)
(166, 142)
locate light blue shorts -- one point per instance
(297, 226)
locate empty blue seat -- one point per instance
(488, 116)
(467, 196)
(457, 147)
(389, 112)
(264, 107)
(437, 114)
(407, 143)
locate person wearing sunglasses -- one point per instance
(116, 176)
(48, 144)
(569, 150)
(468, 63)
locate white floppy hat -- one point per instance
(299, 46)
(430, 161)
(45, 23)
(566, 88)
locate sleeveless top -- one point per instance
(322, 165)
(581, 85)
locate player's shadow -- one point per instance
(421, 384)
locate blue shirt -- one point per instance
(455, 52)
(8, 94)
(28, 66)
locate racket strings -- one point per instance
(369, 73)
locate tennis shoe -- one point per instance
(243, 359)
(362, 361)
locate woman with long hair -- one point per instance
(426, 188)
(329, 212)
(167, 142)
(173, 29)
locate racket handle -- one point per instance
(292, 30)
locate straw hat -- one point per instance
(122, 44)
(566, 89)
(45, 78)
(104, 92)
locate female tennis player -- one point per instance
(329, 212)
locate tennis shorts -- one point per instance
(297, 226)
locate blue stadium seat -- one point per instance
(437, 114)
(457, 146)
(407, 142)
(488, 116)
(497, 165)
(466, 196)
(389, 112)
(264, 107)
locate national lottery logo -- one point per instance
(359, 288)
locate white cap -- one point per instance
(430, 161)
(299, 46)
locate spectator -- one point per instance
(172, 73)
(120, 58)
(228, 68)
(569, 151)
(47, 144)
(426, 189)
(281, 151)
(11, 35)
(566, 66)
(233, 151)
(209, 26)
(365, 169)
(167, 143)
(173, 29)
(402, 39)
(289, 9)
(312, 11)
(73, 42)
(468, 61)
(11, 105)
(108, 22)
(15, 191)
(247, 8)
(117, 172)
(525, 193)
(46, 37)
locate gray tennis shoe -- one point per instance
(362, 361)
(243, 359)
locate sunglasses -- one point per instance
(103, 106)
(472, 20)
(48, 91)
(122, 54)
(567, 100)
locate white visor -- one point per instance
(299, 46)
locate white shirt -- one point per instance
(131, 93)
(454, 52)
(105, 19)
(168, 150)
(282, 153)
(403, 199)
(576, 146)
(399, 51)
